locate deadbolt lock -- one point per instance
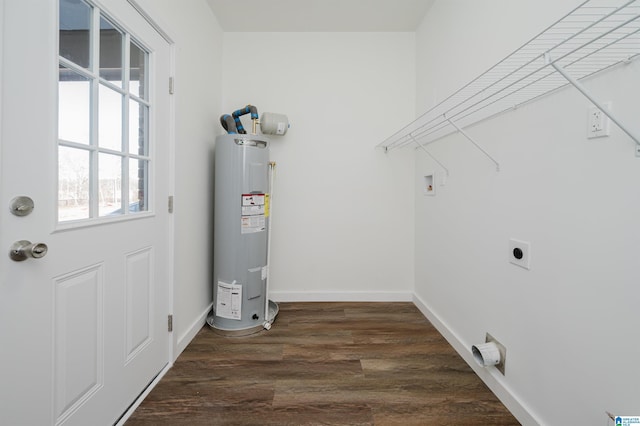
(21, 206)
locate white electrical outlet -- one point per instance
(520, 253)
(598, 124)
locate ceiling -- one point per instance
(319, 15)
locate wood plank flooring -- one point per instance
(324, 364)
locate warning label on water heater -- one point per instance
(253, 213)
(229, 300)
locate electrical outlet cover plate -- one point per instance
(523, 257)
(598, 123)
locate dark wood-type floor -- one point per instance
(324, 364)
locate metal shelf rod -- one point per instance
(575, 83)
(470, 139)
(429, 154)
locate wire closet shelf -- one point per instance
(595, 36)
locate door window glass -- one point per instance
(110, 189)
(109, 118)
(75, 25)
(103, 117)
(139, 172)
(137, 71)
(138, 127)
(110, 52)
(73, 184)
(74, 107)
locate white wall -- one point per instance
(343, 211)
(198, 76)
(570, 324)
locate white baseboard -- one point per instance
(185, 338)
(352, 296)
(490, 376)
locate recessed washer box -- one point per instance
(520, 253)
(429, 184)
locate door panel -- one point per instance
(139, 304)
(78, 337)
(83, 329)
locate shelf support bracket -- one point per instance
(575, 83)
(429, 154)
(470, 139)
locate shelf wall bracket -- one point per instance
(470, 139)
(429, 154)
(606, 111)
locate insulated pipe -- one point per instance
(229, 124)
(246, 110)
(272, 171)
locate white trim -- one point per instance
(143, 395)
(171, 267)
(490, 376)
(185, 338)
(2, 30)
(352, 296)
(152, 22)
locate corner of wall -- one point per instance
(183, 339)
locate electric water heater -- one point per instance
(240, 304)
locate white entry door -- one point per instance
(85, 137)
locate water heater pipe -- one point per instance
(229, 124)
(249, 109)
(272, 172)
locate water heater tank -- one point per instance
(241, 217)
